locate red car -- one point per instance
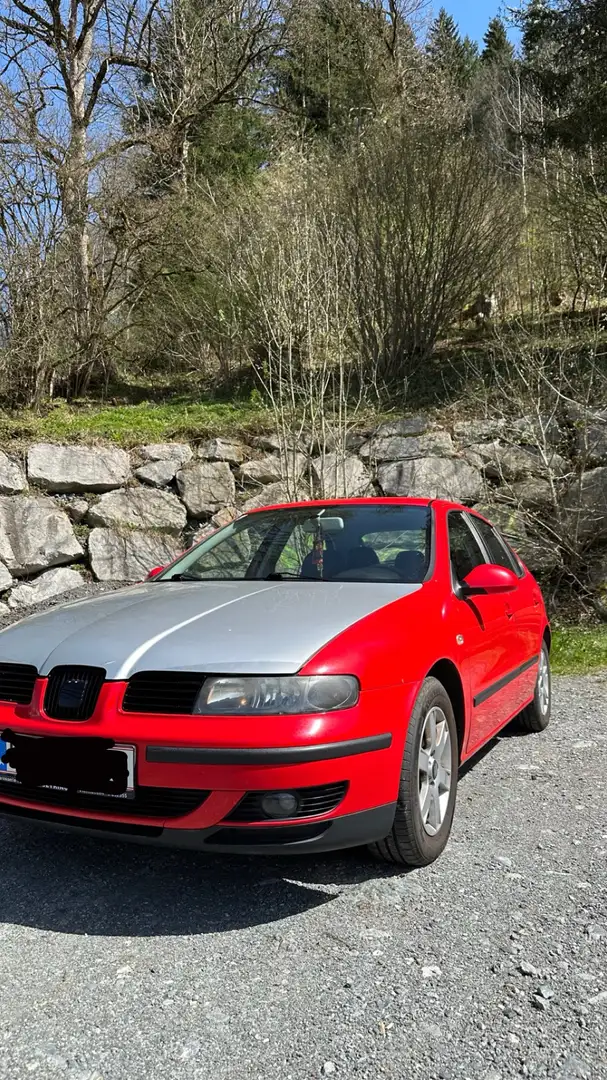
(308, 678)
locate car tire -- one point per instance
(536, 716)
(425, 806)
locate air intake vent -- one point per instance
(17, 683)
(72, 692)
(148, 802)
(163, 692)
(313, 801)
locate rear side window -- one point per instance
(498, 552)
(464, 549)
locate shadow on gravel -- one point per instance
(74, 885)
(68, 884)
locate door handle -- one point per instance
(509, 612)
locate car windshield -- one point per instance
(367, 542)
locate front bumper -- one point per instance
(183, 753)
(349, 830)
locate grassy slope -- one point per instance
(579, 651)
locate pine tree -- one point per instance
(340, 65)
(447, 52)
(498, 49)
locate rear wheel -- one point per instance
(428, 783)
(536, 716)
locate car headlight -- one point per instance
(275, 694)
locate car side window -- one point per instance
(498, 552)
(464, 549)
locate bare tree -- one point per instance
(62, 61)
(430, 222)
(204, 55)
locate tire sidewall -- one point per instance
(431, 695)
(543, 718)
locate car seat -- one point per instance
(333, 563)
(411, 565)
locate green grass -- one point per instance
(129, 425)
(579, 651)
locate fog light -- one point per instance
(280, 804)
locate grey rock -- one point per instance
(35, 535)
(77, 468)
(543, 430)
(4, 611)
(340, 476)
(545, 991)
(229, 450)
(129, 555)
(273, 494)
(529, 493)
(139, 508)
(468, 432)
(276, 444)
(406, 426)
(12, 477)
(356, 439)
(268, 470)
(224, 516)
(158, 474)
(591, 438)
(273, 468)
(76, 509)
(218, 521)
(505, 463)
(205, 486)
(586, 505)
(6, 579)
(433, 478)
(402, 448)
(526, 968)
(49, 585)
(539, 1003)
(328, 1068)
(179, 452)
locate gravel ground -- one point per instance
(123, 963)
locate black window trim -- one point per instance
(510, 555)
(483, 550)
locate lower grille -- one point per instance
(313, 801)
(148, 801)
(72, 692)
(17, 683)
(272, 834)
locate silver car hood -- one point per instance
(223, 626)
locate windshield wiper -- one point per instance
(288, 575)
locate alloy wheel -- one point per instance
(434, 770)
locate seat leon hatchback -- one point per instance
(308, 678)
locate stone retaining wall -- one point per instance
(69, 511)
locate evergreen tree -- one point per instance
(498, 49)
(447, 52)
(565, 53)
(340, 65)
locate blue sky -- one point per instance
(472, 16)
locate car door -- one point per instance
(527, 609)
(485, 634)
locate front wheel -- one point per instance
(428, 783)
(536, 716)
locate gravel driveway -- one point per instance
(120, 962)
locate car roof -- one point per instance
(303, 504)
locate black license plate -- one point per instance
(92, 766)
